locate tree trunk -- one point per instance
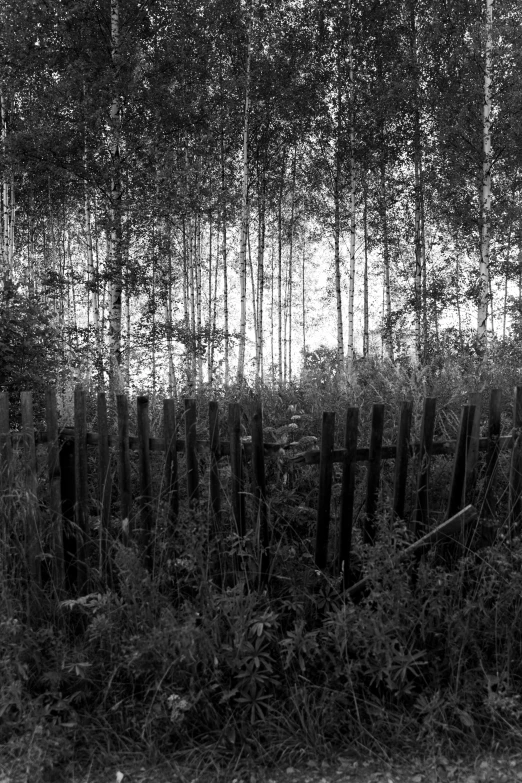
(338, 189)
(485, 201)
(388, 336)
(244, 214)
(366, 330)
(260, 276)
(290, 268)
(115, 246)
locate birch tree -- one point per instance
(485, 196)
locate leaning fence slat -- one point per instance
(5, 444)
(124, 468)
(145, 481)
(426, 448)
(402, 458)
(33, 543)
(55, 495)
(325, 489)
(458, 479)
(446, 532)
(238, 495)
(515, 473)
(191, 452)
(81, 481)
(261, 509)
(171, 457)
(348, 492)
(374, 473)
(104, 486)
(493, 448)
(215, 488)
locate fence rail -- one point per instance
(68, 466)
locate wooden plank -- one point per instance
(325, 489)
(425, 451)
(5, 445)
(493, 449)
(124, 468)
(191, 452)
(447, 531)
(261, 508)
(55, 495)
(215, 453)
(458, 479)
(145, 482)
(81, 467)
(402, 458)
(171, 457)
(68, 495)
(237, 492)
(474, 398)
(104, 487)
(515, 472)
(348, 492)
(374, 472)
(33, 540)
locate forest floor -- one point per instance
(480, 769)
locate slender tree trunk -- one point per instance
(199, 303)
(388, 336)
(303, 300)
(260, 276)
(115, 253)
(6, 267)
(290, 267)
(457, 293)
(280, 274)
(485, 216)
(244, 213)
(272, 313)
(351, 280)
(209, 347)
(366, 329)
(338, 191)
(172, 390)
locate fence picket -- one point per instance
(238, 495)
(145, 481)
(493, 448)
(458, 479)
(104, 486)
(402, 458)
(81, 515)
(55, 496)
(425, 452)
(170, 431)
(261, 509)
(5, 444)
(214, 482)
(374, 472)
(348, 493)
(124, 469)
(191, 452)
(515, 473)
(33, 542)
(325, 489)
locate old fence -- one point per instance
(69, 489)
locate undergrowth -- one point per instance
(199, 654)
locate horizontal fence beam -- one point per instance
(310, 457)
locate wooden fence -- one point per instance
(68, 458)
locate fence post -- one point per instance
(55, 497)
(5, 444)
(374, 472)
(474, 398)
(261, 508)
(348, 493)
(104, 487)
(215, 449)
(124, 469)
(458, 479)
(493, 449)
(68, 495)
(170, 431)
(190, 452)
(325, 489)
(402, 458)
(33, 542)
(80, 479)
(425, 447)
(515, 473)
(238, 496)
(145, 481)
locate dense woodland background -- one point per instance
(199, 192)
